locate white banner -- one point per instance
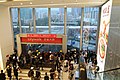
(103, 35)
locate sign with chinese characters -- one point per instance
(103, 35)
(41, 38)
(42, 35)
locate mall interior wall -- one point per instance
(113, 51)
(6, 34)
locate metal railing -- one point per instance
(111, 74)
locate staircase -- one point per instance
(24, 74)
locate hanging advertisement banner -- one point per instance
(41, 40)
(103, 35)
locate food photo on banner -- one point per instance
(103, 35)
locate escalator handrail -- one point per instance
(110, 70)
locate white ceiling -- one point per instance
(55, 3)
(52, 3)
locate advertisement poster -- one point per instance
(103, 35)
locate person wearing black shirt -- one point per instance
(2, 75)
(9, 69)
(38, 73)
(46, 76)
(16, 72)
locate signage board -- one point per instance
(42, 35)
(103, 35)
(41, 40)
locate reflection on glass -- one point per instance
(41, 20)
(90, 28)
(16, 28)
(57, 20)
(73, 27)
(26, 20)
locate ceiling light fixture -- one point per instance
(30, 2)
(65, 6)
(21, 3)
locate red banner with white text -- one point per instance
(41, 40)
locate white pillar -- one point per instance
(19, 48)
(6, 35)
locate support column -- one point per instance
(34, 19)
(49, 20)
(64, 44)
(81, 28)
(19, 20)
(65, 14)
(6, 36)
(18, 44)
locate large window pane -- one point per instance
(26, 20)
(16, 28)
(57, 20)
(90, 28)
(41, 20)
(73, 27)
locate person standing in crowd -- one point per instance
(41, 62)
(8, 62)
(9, 69)
(52, 73)
(16, 72)
(31, 73)
(2, 75)
(38, 73)
(57, 63)
(46, 77)
(85, 56)
(59, 70)
(14, 59)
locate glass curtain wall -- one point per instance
(41, 15)
(16, 28)
(57, 20)
(73, 19)
(90, 27)
(73, 27)
(26, 20)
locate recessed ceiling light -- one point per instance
(30, 2)
(21, 3)
(65, 6)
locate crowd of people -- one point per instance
(59, 60)
(11, 64)
(38, 59)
